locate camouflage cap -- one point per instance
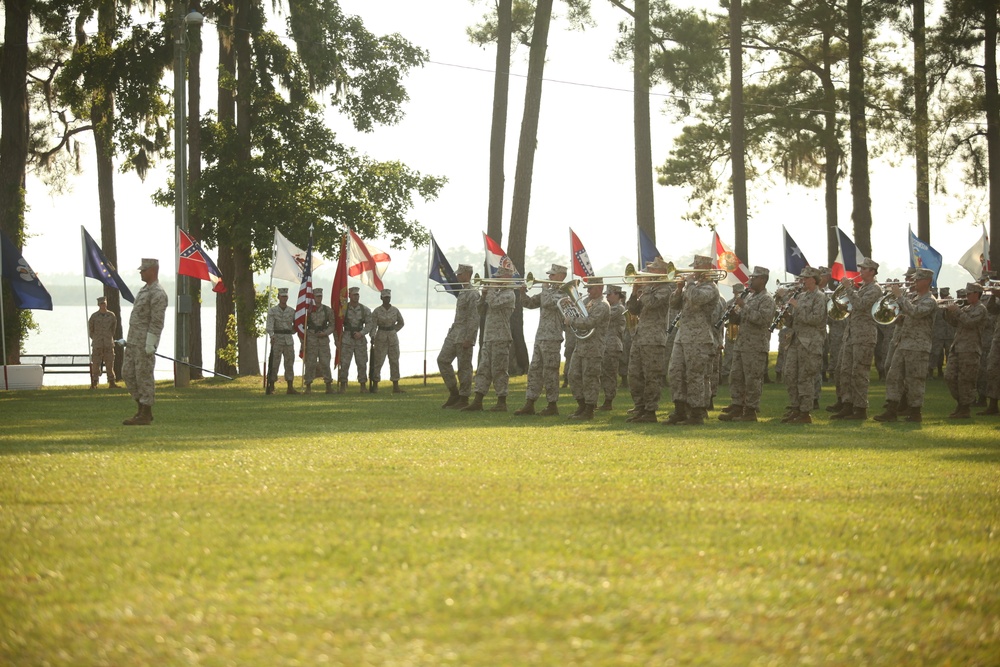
(810, 272)
(463, 268)
(658, 265)
(613, 289)
(961, 294)
(701, 262)
(591, 281)
(973, 287)
(868, 263)
(823, 271)
(282, 291)
(317, 291)
(760, 271)
(354, 290)
(556, 268)
(102, 299)
(923, 274)
(148, 263)
(386, 293)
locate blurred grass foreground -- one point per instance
(356, 529)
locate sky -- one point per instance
(583, 176)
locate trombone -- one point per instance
(530, 281)
(478, 282)
(458, 287)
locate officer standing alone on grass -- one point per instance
(144, 328)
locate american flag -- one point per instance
(305, 303)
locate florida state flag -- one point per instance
(726, 259)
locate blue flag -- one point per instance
(441, 271)
(98, 267)
(647, 251)
(795, 259)
(923, 256)
(29, 293)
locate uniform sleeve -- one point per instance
(923, 307)
(157, 311)
(592, 320)
(369, 321)
(813, 311)
(399, 320)
(90, 326)
(532, 302)
(269, 326)
(971, 318)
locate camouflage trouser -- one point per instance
(568, 352)
(939, 355)
(961, 373)
(714, 374)
(544, 370)
(799, 374)
(494, 358)
(746, 378)
(991, 371)
(907, 375)
(783, 337)
(836, 352)
(585, 378)
(609, 374)
(645, 375)
(385, 343)
(137, 371)
(854, 374)
(450, 351)
(286, 353)
(317, 353)
(691, 364)
(357, 350)
(105, 353)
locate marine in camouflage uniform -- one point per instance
(496, 302)
(804, 359)
(719, 336)
(101, 327)
(459, 342)
(650, 302)
(144, 328)
(992, 365)
(858, 347)
(696, 347)
(753, 312)
(908, 369)
(319, 326)
(944, 335)
(354, 339)
(966, 349)
(588, 357)
(385, 341)
(730, 332)
(280, 327)
(613, 345)
(543, 372)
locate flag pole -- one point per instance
(3, 328)
(270, 284)
(305, 325)
(86, 300)
(427, 304)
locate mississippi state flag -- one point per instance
(581, 260)
(496, 257)
(846, 264)
(196, 264)
(727, 259)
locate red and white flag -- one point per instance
(578, 254)
(726, 259)
(366, 262)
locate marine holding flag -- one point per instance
(460, 340)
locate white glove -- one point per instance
(151, 342)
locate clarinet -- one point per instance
(725, 315)
(784, 309)
(673, 325)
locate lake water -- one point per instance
(64, 331)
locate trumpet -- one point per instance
(458, 287)
(944, 303)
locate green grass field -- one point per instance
(352, 530)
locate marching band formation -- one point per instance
(675, 329)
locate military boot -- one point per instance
(143, 418)
(732, 407)
(528, 408)
(364, 387)
(730, 413)
(138, 411)
(396, 389)
(992, 410)
(801, 418)
(341, 387)
(791, 415)
(112, 384)
(748, 415)
(291, 389)
(679, 414)
(501, 405)
(858, 414)
(309, 388)
(696, 416)
(452, 398)
(587, 414)
(914, 415)
(962, 412)
(550, 410)
(373, 387)
(846, 411)
(581, 405)
(891, 412)
(476, 405)
(329, 386)
(269, 388)
(646, 417)
(93, 381)
(462, 402)
(606, 405)
(836, 407)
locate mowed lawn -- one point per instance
(379, 529)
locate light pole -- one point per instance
(182, 304)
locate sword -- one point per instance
(123, 343)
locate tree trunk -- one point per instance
(498, 131)
(737, 131)
(13, 152)
(525, 167)
(921, 126)
(224, 303)
(992, 103)
(245, 292)
(644, 211)
(194, 175)
(831, 149)
(860, 186)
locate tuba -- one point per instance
(839, 306)
(886, 309)
(571, 304)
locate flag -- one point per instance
(441, 271)
(581, 260)
(727, 259)
(923, 256)
(305, 303)
(795, 259)
(29, 293)
(846, 264)
(338, 296)
(289, 260)
(98, 267)
(977, 259)
(366, 262)
(647, 251)
(496, 257)
(196, 264)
